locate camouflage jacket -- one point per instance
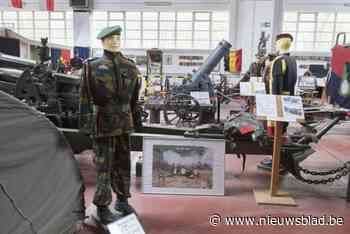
(108, 95)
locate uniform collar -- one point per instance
(111, 55)
(285, 53)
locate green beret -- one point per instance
(284, 35)
(109, 31)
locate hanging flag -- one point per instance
(16, 3)
(235, 61)
(65, 55)
(50, 5)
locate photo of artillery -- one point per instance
(182, 167)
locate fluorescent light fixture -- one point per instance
(156, 3)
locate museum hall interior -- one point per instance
(174, 116)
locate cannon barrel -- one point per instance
(10, 75)
(8, 79)
(212, 61)
(9, 61)
(201, 80)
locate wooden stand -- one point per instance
(348, 191)
(274, 196)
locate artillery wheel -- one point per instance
(181, 110)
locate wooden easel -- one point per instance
(274, 196)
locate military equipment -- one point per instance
(54, 94)
(201, 80)
(41, 186)
(243, 134)
(180, 107)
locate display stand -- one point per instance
(274, 196)
(123, 225)
(279, 109)
(348, 191)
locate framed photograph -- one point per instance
(179, 165)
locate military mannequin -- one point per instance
(108, 112)
(283, 77)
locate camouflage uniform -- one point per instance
(108, 99)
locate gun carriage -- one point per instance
(54, 94)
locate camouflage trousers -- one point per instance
(113, 168)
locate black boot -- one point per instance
(122, 206)
(105, 215)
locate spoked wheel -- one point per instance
(181, 110)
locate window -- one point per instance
(57, 26)
(181, 30)
(219, 27)
(315, 31)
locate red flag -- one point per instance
(16, 3)
(50, 4)
(340, 55)
(65, 54)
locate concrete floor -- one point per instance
(177, 214)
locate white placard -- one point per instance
(252, 88)
(259, 88)
(266, 106)
(321, 82)
(201, 97)
(126, 225)
(157, 88)
(255, 79)
(245, 89)
(292, 107)
(307, 83)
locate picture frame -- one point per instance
(179, 165)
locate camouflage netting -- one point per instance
(40, 183)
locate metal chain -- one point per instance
(323, 173)
(345, 170)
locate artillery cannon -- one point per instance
(180, 107)
(55, 94)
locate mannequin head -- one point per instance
(110, 38)
(111, 43)
(284, 42)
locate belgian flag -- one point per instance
(233, 61)
(235, 58)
